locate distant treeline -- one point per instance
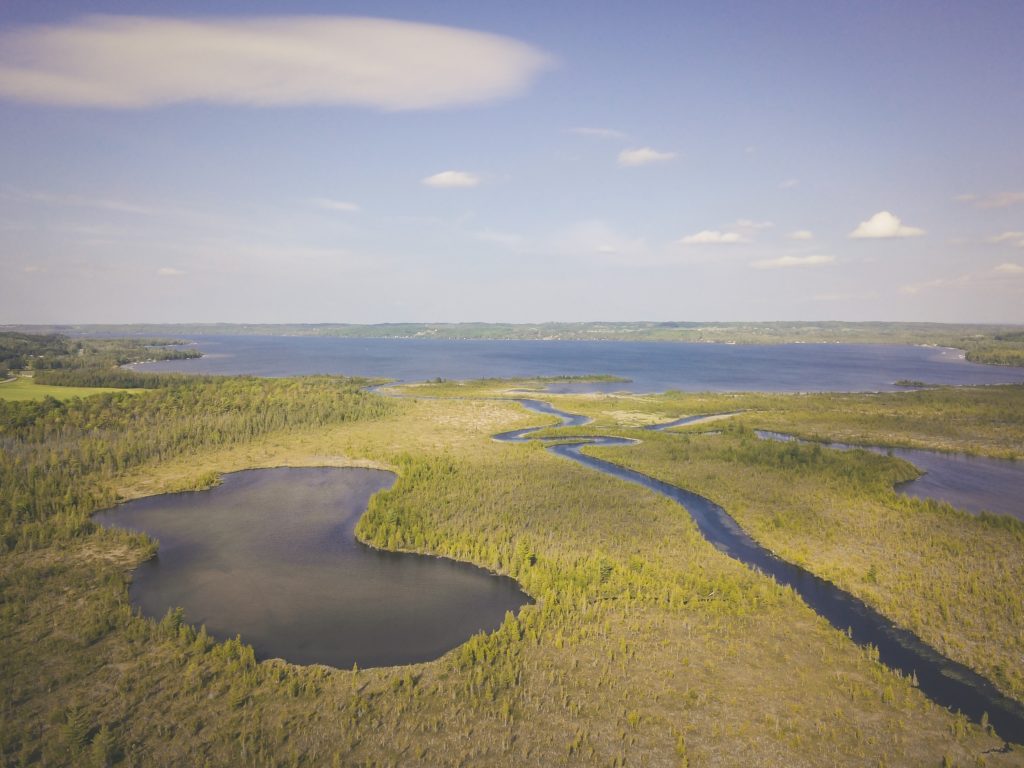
(52, 351)
(996, 344)
(121, 378)
(1004, 351)
(57, 458)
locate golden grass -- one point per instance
(736, 673)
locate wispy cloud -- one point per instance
(884, 225)
(1013, 238)
(136, 61)
(997, 200)
(839, 296)
(451, 180)
(786, 262)
(801, 234)
(789, 183)
(509, 240)
(342, 206)
(595, 237)
(598, 133)
(939, 282)
(713, 237)
(1001, 200)
(996, 276)
(750, 224)
(83, 201)
(169, 272)
(629, 158)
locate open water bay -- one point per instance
(650, 366)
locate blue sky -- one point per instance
(456, 161)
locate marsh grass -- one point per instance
(646, 646)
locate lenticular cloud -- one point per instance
(137, 62)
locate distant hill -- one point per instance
(996, 344)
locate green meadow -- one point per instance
(24, 388)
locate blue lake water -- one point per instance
(271, 554)
(973, 483)
(651, 366)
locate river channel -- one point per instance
(943, 680)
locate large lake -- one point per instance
(651, 366)
(270, 554)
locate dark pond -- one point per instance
(650, 366)
(271, 555)
(943, 680)
(972, 483)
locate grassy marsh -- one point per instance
(646, 645)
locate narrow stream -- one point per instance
(943, 680)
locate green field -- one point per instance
(23, 388)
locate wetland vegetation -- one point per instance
(646, 645)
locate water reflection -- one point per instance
(271, 555)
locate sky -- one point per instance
(363, 162)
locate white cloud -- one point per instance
(789, 183)
(1014, 238)
(169, 272)
(784, 262)
(884, 225)
(137, 61)
(713, 237)
(599, 133)
(1010, 269)
(629, 158)
(997, 200)
(801, 234)
(341, 206)
(451, 180)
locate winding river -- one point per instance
(943, 680)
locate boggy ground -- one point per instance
(646, 645)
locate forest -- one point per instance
(645, 646)
(58, 352)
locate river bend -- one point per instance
(944, 681)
